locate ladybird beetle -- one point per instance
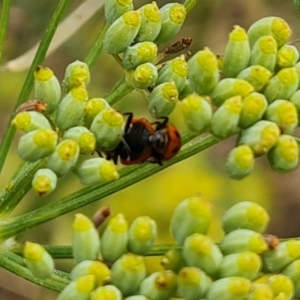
(166, 142)
(145, 141)
(134, 146)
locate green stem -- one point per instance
(120, 89)
(15, 264)
(63, 252)
(97, 47)
(4, 17)
(128, 176)
(190, 4)
(18, 186)
(27, 86)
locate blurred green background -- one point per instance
(208, 24)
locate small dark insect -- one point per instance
(32, 105)
(145, 141)
(183, 44)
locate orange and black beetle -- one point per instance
(145, 141)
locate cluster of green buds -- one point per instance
(63, 127)
(134, 37)
(252, 90)
(245, 264)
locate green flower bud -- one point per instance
(254, 107)
(282, 85)
(281, 284)
(187, 90)
(200, 251)
(92, 108)
(76, 74)
(287, 56)
(44, 182)
(203, 71)
(142, 234)
(264, 53)
(122, 32)
(64, 157)
(113, 9)
(89, 267)
(192, 215)
(246, 215)
(292, 271)
(237, 52)
(159, 285)
(245, 264)
(230, 87)
(136, 297)
(285, 253)
(197, 113)
(151, 23)
(163, 99)
(108, 292)
(174, 70)
(108, 127)
(240, 240)
(173, 260)
(144, 76)
(256, 75)
(47, 88)
(192, 283)
(115, 238)
(96, 170)
(86, 241)
(83, 137)
(231, 288)
(297, 4)
(240, 162)
(295, 99)
(225, 120)
(274, 26)
(128, 272)
(284, 157)
(79, 289)
(297, 67)
(30, 120)
(37, 144)
(38, 260)
(138, 54)
(71, 109)
(260, 291)
(172, 18)
(32, 105)
(284, 114)
(261, 137)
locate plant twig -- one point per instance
(27, 86)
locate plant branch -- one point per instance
(4, 17)
(27, 86)
(18, 186)
(16, 265)
(71, 24)
(128, 176)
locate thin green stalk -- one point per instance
(190, 4)
(129, 176)
(28, 83)
(18, 186)
(63, 251)
(96, 49)
(9, 261)
(120, 89)
(4, 17)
